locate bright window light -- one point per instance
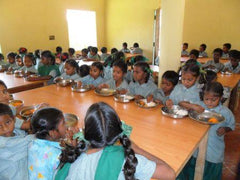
(81, 29)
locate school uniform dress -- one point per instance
(159, 95)
(89, 80)
(14, 66)
(225, 55)
(72, 77)
(144, 89)
(18, 122)
(203, 54)
(184, 53)
(38, 63)
(112, 84)
(86, 165)
(31, 69)
(43, 159)
(181, 93)
(96, 57)
(137, 51)
(228, 66)
(13, 155)
(219, 66)
(104, 56)
(82, 58)
(61, 68)
(125, 50)
(107, 71)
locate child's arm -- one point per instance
(223, 130)
(189, 106)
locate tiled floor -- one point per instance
(232, 151)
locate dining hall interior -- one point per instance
(160, 27)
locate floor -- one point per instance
(232, 150)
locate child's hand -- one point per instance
(137, 97)
(169, 103)
(158, 101)
(103, 86)
(26, 125)
(197, 108)
(149, 98)
(221, 131)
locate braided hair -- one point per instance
(145, 68)
(74, 64)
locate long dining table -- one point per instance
(172, 140)
(15, 84)
(202, 60)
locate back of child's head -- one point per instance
(185, 44)
(31, 57)
(207, 77)
(204, 46)
(11, 55)
(125, 44)
(94, 50)
(2, 83)
(121, 64)
(84, 70)
(191, 67)
(114, 57)
(89, 48)
(71, 51)
(98, 65)
(171, 76)
(47, 54)
(114, 50)
(136, 45)
(218, 50)
(227, 45)
(213, 87)
(85, 51)
(59, 49)
(1, 57)
(145, 68)
(194, 52)
(137, 59)
(5, 110)
(22, 50)
(104, 50)
(45, 120)
(74, 64)
(234, 54)
(37, 53)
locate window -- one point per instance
(81, 29)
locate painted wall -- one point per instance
(213, 22)
(29, 23)
(130, 21)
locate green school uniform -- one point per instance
(45, 70)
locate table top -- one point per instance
(203, 60)
(173, 140)
(228, 80)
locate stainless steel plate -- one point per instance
(175, 112)
(82, 88)
(27, 111)
(143, 103)
(63, 82)
(226, 72)
(123, 98)
(105, 92)
(71, 119)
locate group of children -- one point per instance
(82, 159)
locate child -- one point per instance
(48, 125)
(94, 78)
(19, 62)
(234, 65)
(93, 56)
(114, 50)
(141, 87)
(135, 49)
(71, 52)
(96, 152)
(58, 51)
(84, 70)
(184, 52)
(169, 81)
(11, 66)
(187, 92)
(226, 49)
(215, 63)
(22, 52)
(49, 70)
(60, 61)
(124, 48)
(2, 62)
(71, 70)
(202, 50)
(38, 58)
(194, 54)
(212, 94)
(13, 147)
(104, 54)
(117, 81)
(29, 67)
(84, 54)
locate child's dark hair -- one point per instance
(84, 70)
(135, 45)
(227, 45)
(2, 83)
(71, 51)
(104, 50)
(191, 67)
(204, 46)
(74, 64)
(85, 50)
(114, 50)
(18, 56)
(59, 49)
(215, 87)
(207, 77)
(218, 50)
(22, 50)
(45, 120)
(1, 56)
(194, 52)
(234, 54)
(11, 55)
(98, 65)
(64, 56)
(171, 76)
(47, 54)
(37, 53)
(185, 44)
(103, 128)
(6, 110)
(125, 44)
(94, 50)
(145, 68)
(89, 48)
(122, 65)
(114, 57)
(31, 57)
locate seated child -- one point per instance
(117, 81)
(93, 55)
(202, 50)
(141, 86)
(2, 63)
(169, 81)
(124, 48)
(38, 59)
(212, 94)
(49, 70)
(48, 125)
(104, 54)
(22, 52)
(71, 70)
(58, 51)
(184, 52)
(84, 70)
(136, 49)
(84, 54)
(96, 151)
(13, 147)
(12, 65)
(234, 65)
(226, 49)
(19, 62)
(28, 67)
(95, 76)
(194, 54)
(215, 63)
(60, 61)
(71, 52)
(114, 50)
